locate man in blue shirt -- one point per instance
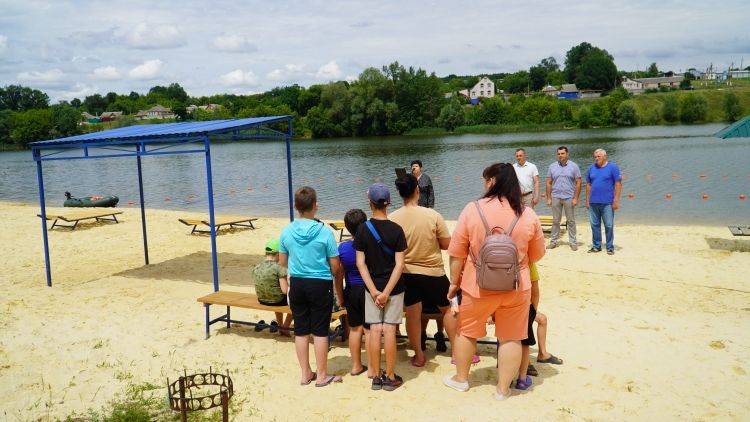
(563, 190)
(603, 187)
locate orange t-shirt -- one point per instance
(470, 233)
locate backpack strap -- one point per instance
(375, 234)
(487, 228)
(513, 224)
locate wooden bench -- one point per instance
(250, 301)
(546, 221)
(77, 216)
(220, 221)
(339, 227)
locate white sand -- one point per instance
(658, 330)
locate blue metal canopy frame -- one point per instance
(154, 140)
(739, 129)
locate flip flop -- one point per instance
(363, 370)
(260, 326)
(551, 359)
(312, 378)
(329, 380)
(414, 363)
(532, 371)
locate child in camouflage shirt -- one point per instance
(271, 286)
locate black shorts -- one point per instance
(311, 300)
(429, 290)
(530, 340)
(282, 302)
(354, 302)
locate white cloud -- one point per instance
(106, 73)
(328, 71)
(147, 70)
(288, 72)
(3, 43)
(145, 36)
(43, 78)
(234, 43)
(352, 78)
(79, 91)
(239, 77)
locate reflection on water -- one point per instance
(685, 162)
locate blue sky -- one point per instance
(76, 48)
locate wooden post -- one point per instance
(183, 405)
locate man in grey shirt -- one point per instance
(563, 190)
(426, 192)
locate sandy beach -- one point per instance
(659, 330)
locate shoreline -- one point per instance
(665, 306)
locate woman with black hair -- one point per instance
(502, 207)
(424, 273)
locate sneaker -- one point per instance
(595, 250)
(573, 247)
(523, 384)
(392, 384)
(440, 345)
(500, 397)
(458, 386)
(377, 383)
(552, 246)
(610, 251)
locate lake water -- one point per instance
(250, 177)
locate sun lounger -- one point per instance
(339, 227)
(249, 301)
(546, 221)
(77, 216)
(221, 220)
(740, 230)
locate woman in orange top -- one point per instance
(500, 204)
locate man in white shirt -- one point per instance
(528, 178)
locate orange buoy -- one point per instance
(743, 197)
(649, 178)
(725, 177)
(702, 176)
(631, 195)
(705, 197)
(675, 176)
(668, 196)
(167, 199)
(131, 203)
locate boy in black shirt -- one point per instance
(380, 246)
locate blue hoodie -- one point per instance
(309, 244)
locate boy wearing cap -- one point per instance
(271, 286)
(380, 245)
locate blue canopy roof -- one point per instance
(162, 132)
(740, 129)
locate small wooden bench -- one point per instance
(77, 216)
(740, 230)
(220, 221)
(250, 301)
(546, 221)
(339, 227)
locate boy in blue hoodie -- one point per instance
(308, 249)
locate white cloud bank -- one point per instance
(3, 43)
(46, 78)
(329, 71)
(234, 44)
(147, 70)
(239, 77)
(106, 73)
(145, 37)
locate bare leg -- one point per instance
(541, 334)
(524, 362)
(463, 349)
(389, 332)
(509, 356)
(373, 351)
(450, 323)
(302, 347)
(284, 327)
(355, 348)
(414, 330)
(321, 357)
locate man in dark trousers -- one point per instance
(426, 192)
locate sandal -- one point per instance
(361, 371)
(414, 363)
(312, 378)
(329, 380)
(260, 326)
(551, 359)
(532, 371)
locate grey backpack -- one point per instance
(497, 262)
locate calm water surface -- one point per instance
(250, 177)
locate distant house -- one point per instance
(591, 93)
(155, 112)
(697, 74)
(569, 92)
(209, 107)
(109, 116)
(485, 88)
(464, 93)
(638, 85)
(550, 90)
(739, 74)
(632, 86)
(89, 118)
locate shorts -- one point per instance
(354, 302)
(510, 309)
(530, 340)
(391, 313)
(282, 302)
(311, 300)
(426, 289)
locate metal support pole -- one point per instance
(211, 219)
(143, 209)
(43, 214)
(288, 140)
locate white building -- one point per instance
(485, 88)
(155, 112)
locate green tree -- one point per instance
(308, 99)
(75, 102)
(652, 71)
(451, 115)
(693, 108)
(95, 104)
(31, 125)
(597, 71)
(573, 59)
(417, 94)
(585, 118)
(537, 77)
(516, 82)
(21, 98)
(626, 114)
(670, 109)
(732, 107)
(6, 118)
(65, 121)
